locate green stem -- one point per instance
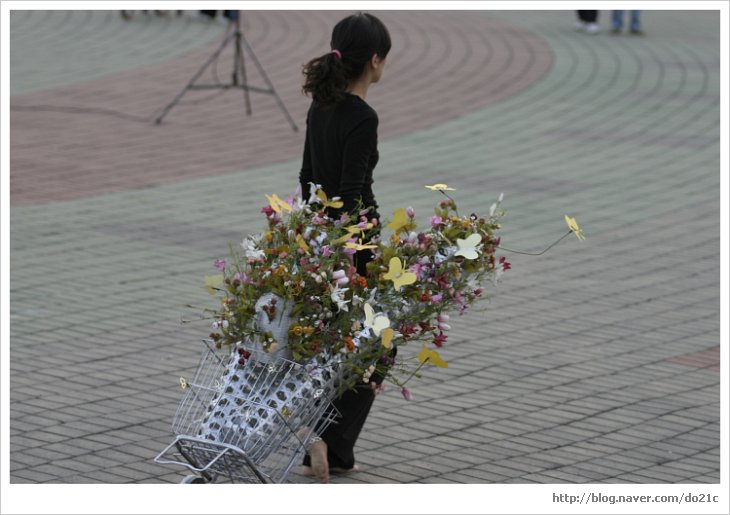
(413, 373)
(452, 200)
(536, 253)
(444, 237)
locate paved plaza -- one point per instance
(598, 362)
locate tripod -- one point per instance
(238, 68)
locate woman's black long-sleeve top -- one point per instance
(340, 152)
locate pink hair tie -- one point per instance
(337, 53)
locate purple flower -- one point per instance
(410, 212)
(407, 395)
(326, 251)
(220, 264)
(435, 299)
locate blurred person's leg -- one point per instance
(617, 21)
(636, 22)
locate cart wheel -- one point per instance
(192, 479)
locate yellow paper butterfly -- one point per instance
(431, 356)
(386, 337)
(212, 282)
(359, 246)
(573, 226)
(440, 187)
(302, 244)
(397, 275)
(468, 247)
(352, 231)
(334, 203)
(400, 220)
(277, 204)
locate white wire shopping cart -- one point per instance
(248, 416)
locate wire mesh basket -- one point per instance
(248, 416)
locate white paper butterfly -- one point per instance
(375, 322)
(468, 247)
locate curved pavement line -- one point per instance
(57, 49)
(446, 64)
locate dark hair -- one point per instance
(356, 38)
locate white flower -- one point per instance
(249, 249)
(298, 204)
(338, 296)
(492, 209)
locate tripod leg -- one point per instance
(240, 63)
(271, 86)
(197, 75)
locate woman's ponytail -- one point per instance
(355, 40)
(325, 79)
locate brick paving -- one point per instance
(595, 363)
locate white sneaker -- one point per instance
(593, 28)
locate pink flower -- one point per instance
(267, 210)
(318, 220)
(374, 221)
(407, 395)
(326, 251)
(220, 264)
(504, 263)
(340, 277)
(410, 212)
(418, 269)
(440, 339)
(442, 319)
(436, 220)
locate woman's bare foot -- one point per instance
(318, 457)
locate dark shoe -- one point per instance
(636, 32)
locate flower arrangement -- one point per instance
(300, 270)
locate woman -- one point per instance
(340, 153)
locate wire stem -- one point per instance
(536, 253)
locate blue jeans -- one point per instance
(617, 20)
